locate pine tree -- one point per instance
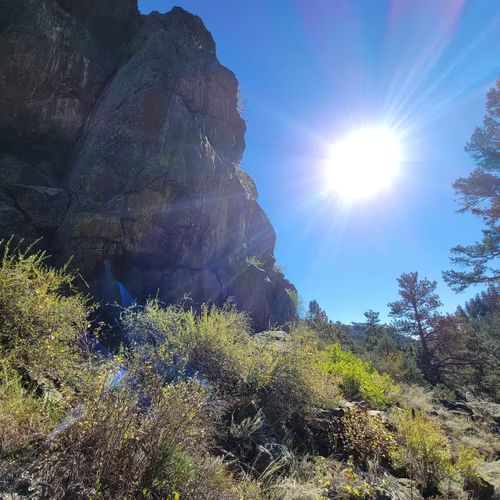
(371, 334)
(479, 194)
(315, 313)
(415, 315)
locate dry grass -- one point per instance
(416, 397)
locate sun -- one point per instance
(363, 163)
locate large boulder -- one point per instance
(120, 143)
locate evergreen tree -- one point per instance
(415, 315)
(484, 303)
(327, 331)
(479, 194)
(315, 313)
(372, 332)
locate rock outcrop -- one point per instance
(120, 141)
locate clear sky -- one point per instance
(312, 70)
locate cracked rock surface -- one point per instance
(120, 143)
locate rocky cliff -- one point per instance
(120, 141)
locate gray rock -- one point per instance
(402, 489)
(120, 143)
(491, 475)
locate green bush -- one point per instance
(41, 324)
(467, 464)
(217, 343)
(24, 417)
(366, 437)
(42, 364)
(187, 389)
(356, 378)
(253, 260)
(423, 449)
(346, 484)
(279, 378)
(296, 382)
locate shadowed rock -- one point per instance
(120, 143)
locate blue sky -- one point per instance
(312, 70)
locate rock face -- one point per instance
(120, 140)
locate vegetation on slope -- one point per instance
(196, 406)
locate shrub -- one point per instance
(344, 482)
(225, 352)
(24, 417)
(366, 437)
(356, 378)
(467, 464)
(216, 343)
(129, 443)
(297, 383)
(253, 260)
(41, 325)
(472, 434)
(284, 377)
(266, 388)
(394, 364)
(423, 449)
(42, 363)
(416, 397)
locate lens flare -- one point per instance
(363, 163)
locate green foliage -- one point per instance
(297, 382)
(479, 194)
(366, 437)
(41, 325)
(190, 387)
(216, 343)
(467, 464)
(253, 260)
(326, 331)
(415, 315)
(247, 427)
(373, 330)
(483, 350)
(315, 313)
(357, 378)
(294, 295)
(346, 483)
(42, 364)
(24, 417)
(416, 397)
(282, 378)
(423, 450)
(484, 303)
(414, 312)
(388, 353)
(475, 346)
